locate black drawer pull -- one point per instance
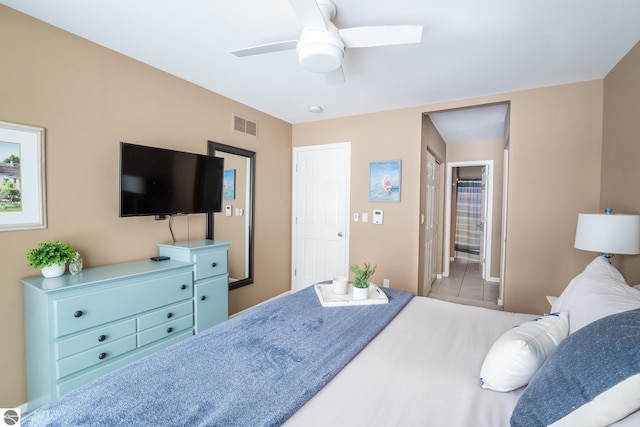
(169, 330)
(102, 356)
(214, 264)
(183, 287)
(102, 338)
(169, 315)
(202, 298)
(78, 313)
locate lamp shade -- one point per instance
(608, 233)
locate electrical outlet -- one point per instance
(385, 283)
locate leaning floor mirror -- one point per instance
(234, 223)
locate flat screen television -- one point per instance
(158, 181)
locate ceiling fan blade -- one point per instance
(266, 48)
(381, 35)
(308, 12)
(334, 77)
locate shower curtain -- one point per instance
(468, 218)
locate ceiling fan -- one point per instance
(321, 46)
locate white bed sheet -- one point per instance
(421, 370)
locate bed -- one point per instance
(415, 361)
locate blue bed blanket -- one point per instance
(256, 369)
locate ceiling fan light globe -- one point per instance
(320, 57)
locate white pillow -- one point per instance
(519, 352)
(600, 290)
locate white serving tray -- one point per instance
(329, 299)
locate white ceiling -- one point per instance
(475, 124)
(469, 48)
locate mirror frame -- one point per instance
(212, 148)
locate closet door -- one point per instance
(431, 222)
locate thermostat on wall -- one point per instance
(377, 216)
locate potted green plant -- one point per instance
(51, 257)
(361, 277)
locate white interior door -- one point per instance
(430, 225)
(320, 230)
(482, 225)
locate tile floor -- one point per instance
(465, 286)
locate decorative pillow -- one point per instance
(591, 379)
(600, 290)
(520, 352)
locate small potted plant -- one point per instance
(361, 280)
(51, 257)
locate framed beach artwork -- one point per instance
(384, 181)
(22, 182)
(229, 184)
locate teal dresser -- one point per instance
(210, 278)
(79, 327)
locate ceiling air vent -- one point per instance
(240, 124)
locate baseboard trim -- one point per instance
(259, 304)
(466, 301)
(22, 410)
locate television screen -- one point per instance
(157, 181)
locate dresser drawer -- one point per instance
(81, 312)
(210, 264)
(74, 381)
(166, 329)
(165, 314)
(95, 356)
(100, 336)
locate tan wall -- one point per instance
(554, 174)
(555, 136)
(89, 99)
(621, 149)
(394, 135)
(486, 150)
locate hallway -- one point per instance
(465, 286)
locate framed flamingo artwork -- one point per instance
(385, 181)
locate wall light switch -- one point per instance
(365, 217)
(239, 212)
(356, 217)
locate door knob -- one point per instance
(340, 234)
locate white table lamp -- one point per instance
(608, 234)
